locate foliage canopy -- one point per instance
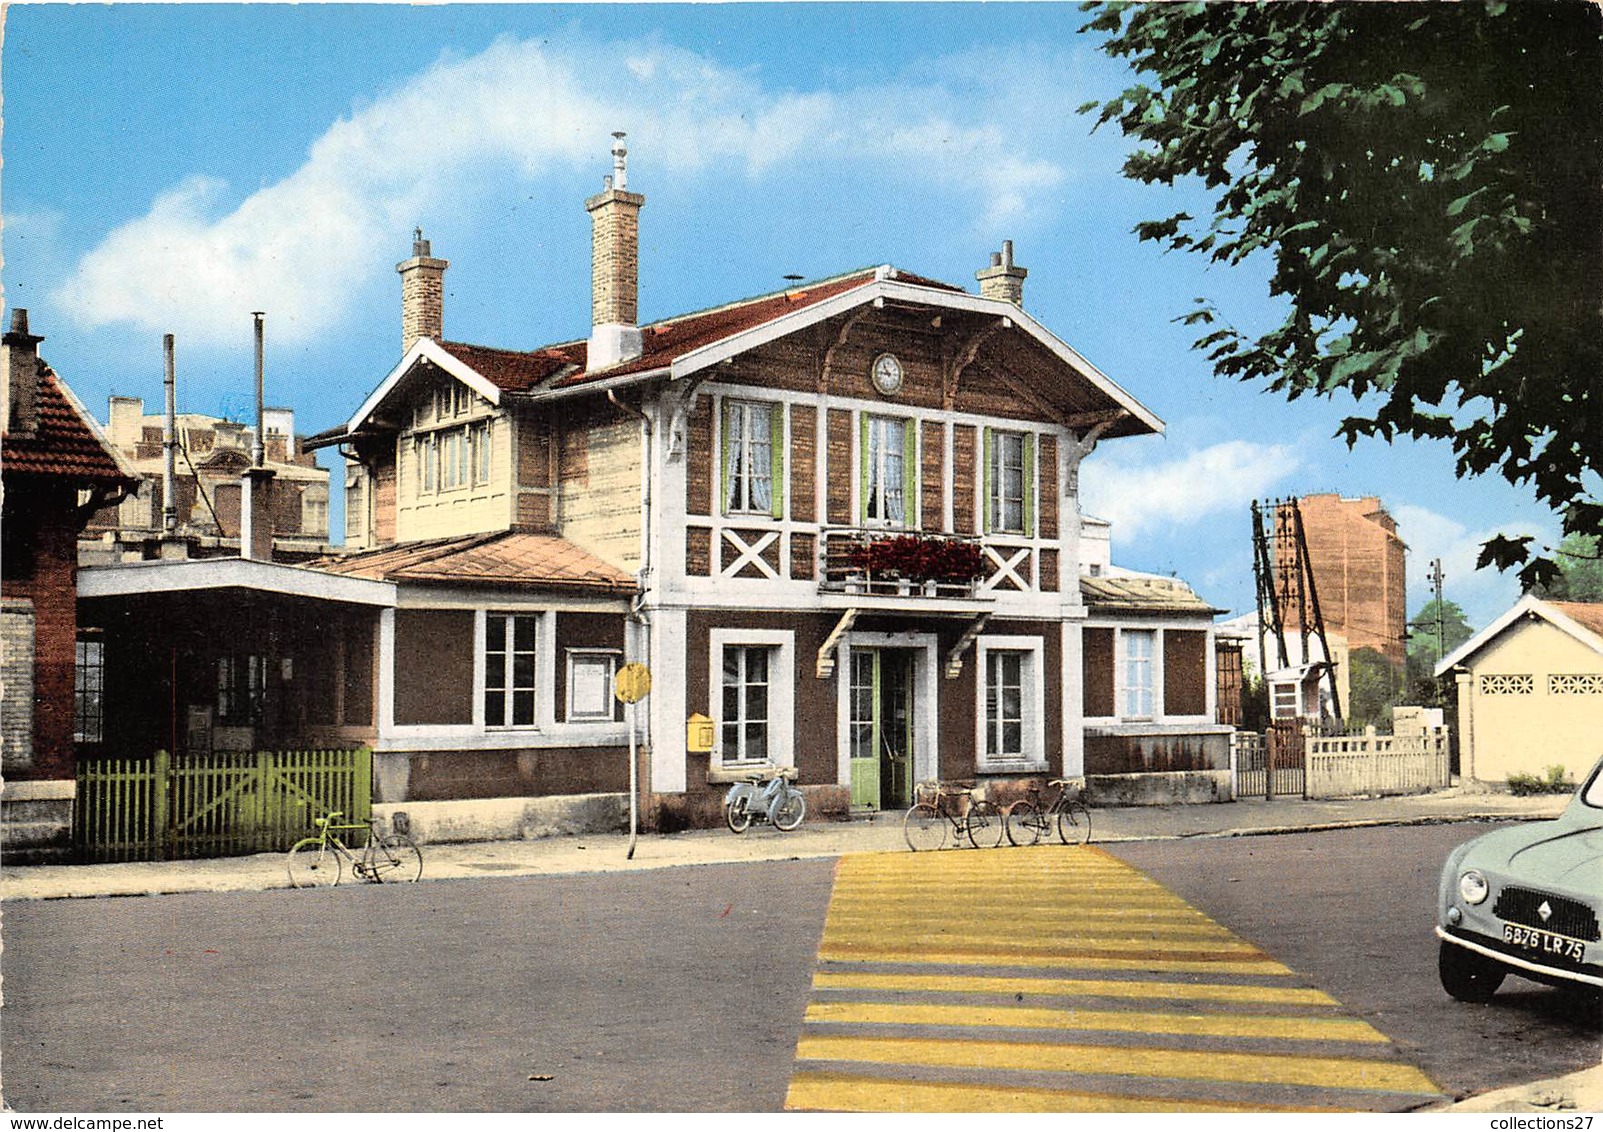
(1429, 181)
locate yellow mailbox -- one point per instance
(698, 733)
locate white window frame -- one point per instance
(508, 689)
(781, 644)
(1129, 710)
(482, 451)
(738, 493)
(1033, 678)
(875, 459)
(998, 500)
(575, 658)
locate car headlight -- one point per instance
(1472, 887)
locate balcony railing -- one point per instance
(899, 564)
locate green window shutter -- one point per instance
(1029, 485)
(723, 455)
(862, 469)
(987, 508)
(910, 474)
(776, 459)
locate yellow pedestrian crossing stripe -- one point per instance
(1061, 979)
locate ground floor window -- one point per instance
(241, 689)
(509, 669)
(88, 688)
(746, 703)
(1004, 704)
(1012, 724)
(1139, 647)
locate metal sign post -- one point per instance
(633, 684)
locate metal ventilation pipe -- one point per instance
(258, 450)
(169, 442)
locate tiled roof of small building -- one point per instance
(512, 558)
(1588, 614)
(1136, 593)
(64, 443)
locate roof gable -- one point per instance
(686, 345)
(66, 442)
(1581, 620)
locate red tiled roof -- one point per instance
(518, 372)
(63, 443)
(1588, 614)
(501, 558)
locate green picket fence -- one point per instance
(219, 805)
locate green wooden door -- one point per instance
(864, 729)
(881, 728)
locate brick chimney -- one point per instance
(1002, 280)
(614, 267)
(20, 369)
(422, 294)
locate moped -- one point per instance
(765, 798)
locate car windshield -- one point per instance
(1592, 795)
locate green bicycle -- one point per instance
(316, 860)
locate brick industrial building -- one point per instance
(1357, 559)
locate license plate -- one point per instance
(1545, 943)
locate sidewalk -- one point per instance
(880, 833)
(1580, 1092)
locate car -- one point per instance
(1526, 900)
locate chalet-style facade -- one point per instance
(841, 521)
(58, 468)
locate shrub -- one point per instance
(1554, 782)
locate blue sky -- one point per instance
(171, 168)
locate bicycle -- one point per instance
(1028, 821)
(927, 823)
(316, 860)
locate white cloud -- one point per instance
(201, 258)
(1482, 594)
(1223, 477)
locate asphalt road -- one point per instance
(676, 989)
(672, 990)
(1352, 911)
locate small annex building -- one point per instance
(1530, 691)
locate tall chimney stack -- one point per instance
(422, 294)
(614, 267)
(1002, 280)
(21, 372)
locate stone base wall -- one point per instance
(1159, 789)
(36, 821)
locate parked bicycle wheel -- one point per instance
(738, 816)
(985, 825)
(1023, 823)
(791, 811)
(924, 827)
(397, 859)
(1074, 823)
(311, 864)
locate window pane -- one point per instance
(523, 670)
(523, 634)
(522, 708)
(757, 701)
(495, 670)
(756, 741)
(495, 708)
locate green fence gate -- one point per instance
(162, 808)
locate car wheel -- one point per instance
(1467, 976)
